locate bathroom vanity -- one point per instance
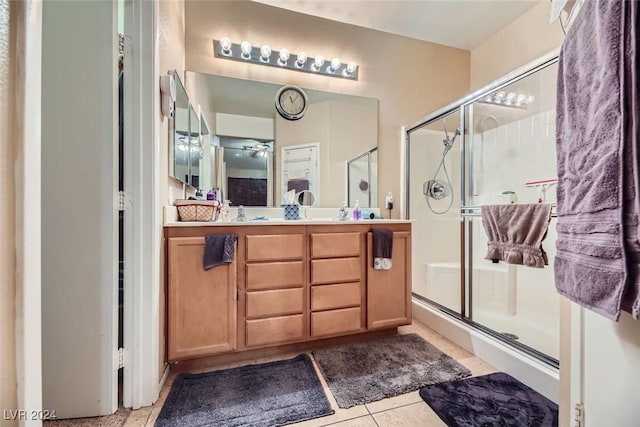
(289, 282)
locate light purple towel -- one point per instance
(516, 232)
(598, 257)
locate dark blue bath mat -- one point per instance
(268, 394)
(490, 400)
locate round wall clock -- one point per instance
(291, 102)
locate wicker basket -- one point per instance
(197, 210)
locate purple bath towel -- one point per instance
(516, 233)
(598, 250)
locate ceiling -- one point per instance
(458, 23)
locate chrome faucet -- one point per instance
(343, 213)
(241, 216)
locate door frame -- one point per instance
(143, 221)
(28, 211)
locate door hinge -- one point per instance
(123, 200)
(579, 415)
(124, 44)
(120, 358)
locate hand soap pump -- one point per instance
(357, 213)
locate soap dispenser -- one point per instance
(225, 214)
(357, 213)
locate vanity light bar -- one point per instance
(510, 99)
(264, 55)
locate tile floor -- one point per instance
(404, 410)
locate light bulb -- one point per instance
(284, 57)
(225, 45)
(265, 52)
(511, 96)
(530, 99)
(351, 67)
(500, 96)
(245, 48)
(301, 59)
(335, 64)
(318, 62)
(521, 99)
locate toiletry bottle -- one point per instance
(357, 213)
(211, 195)
(225, 213)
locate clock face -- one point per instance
(291, 102)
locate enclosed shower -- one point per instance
(495, 146)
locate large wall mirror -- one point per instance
(263, 155)
(187, 147)
(180, 135)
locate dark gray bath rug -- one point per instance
(490, 400)
(373, 370)
(267, 394)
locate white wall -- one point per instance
(79, 231)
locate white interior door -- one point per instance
(300, 162)
(79, 216)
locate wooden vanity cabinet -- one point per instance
(287, 284)
(202, 309)
(275, 291)
(389, 291)
(337, 280)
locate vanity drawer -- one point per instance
(335, 322)
(275, 275)
(275, 247)
(275, 330)
(327, 297)
(336, 270)
(325, 245)
(275, 303)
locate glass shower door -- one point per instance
(434, 170)
(511, 146)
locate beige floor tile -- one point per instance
(367, 421)
(153, 416)
(416, 414)
(477, 366)
(284, 356)
(138, 418)
(394, 402)
(340, 416)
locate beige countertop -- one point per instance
(278, 221)
(309, 216)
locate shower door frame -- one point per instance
(468, 212)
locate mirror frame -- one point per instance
(192, 133)
(180, 106)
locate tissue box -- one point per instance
(291, 211)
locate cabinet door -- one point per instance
(202, 304)
(389, 291)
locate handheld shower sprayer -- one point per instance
(439, 189)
